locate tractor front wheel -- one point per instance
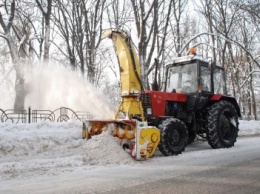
(174, 135)
(222, 125)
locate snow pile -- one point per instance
(105, 149)
(32, 139)
(55, 147)
(52, 148)
(249, 127)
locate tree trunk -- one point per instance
(251, 88)
(19, 70)
(19, 88)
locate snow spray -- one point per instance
(53, 86)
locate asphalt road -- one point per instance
(242, 177)
(234, 170)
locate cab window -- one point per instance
(182, 78)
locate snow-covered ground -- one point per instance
(49, 149)
(26, 149)
(249, 128)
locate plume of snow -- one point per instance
(51, 87)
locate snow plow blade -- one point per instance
(137, 138)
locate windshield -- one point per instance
(182, 79)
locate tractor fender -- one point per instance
(231, 99)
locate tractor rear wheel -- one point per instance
(174, 135)
(222, 125)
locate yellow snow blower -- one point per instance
(137, 137)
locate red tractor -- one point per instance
(194, 103)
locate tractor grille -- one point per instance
(146, 100)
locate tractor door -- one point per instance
(198, 101)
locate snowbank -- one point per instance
(249, 128)
(54, 147)
(51, 148)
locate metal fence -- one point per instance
(58, 115)
(33, 116)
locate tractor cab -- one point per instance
(197, 78)
(192, 75)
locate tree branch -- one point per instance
(225, 38)
(2, 23)
(248, 77)
(10, 20)
(40, 7)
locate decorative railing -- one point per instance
(61, 114)
(13, 116)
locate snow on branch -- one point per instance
(195, 45)
(191, 39)
(246, 79)
(220, 36)
(244, 7)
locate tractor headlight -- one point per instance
(149, 111)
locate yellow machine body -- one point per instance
(130, 73)
(139, 138)
(129, 64)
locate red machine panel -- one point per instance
(159, 99)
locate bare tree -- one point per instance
(93, 32)
(10, 33)
(230, 31)
(80, 25)
(7, 22)
(230, 40)
(18, 23)
(252, 8)
(64, 19)
(46, 9)
(178, 10)
(248, 37)
(172, 30)
(118, 14)
(152, 21)
(207, 12)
